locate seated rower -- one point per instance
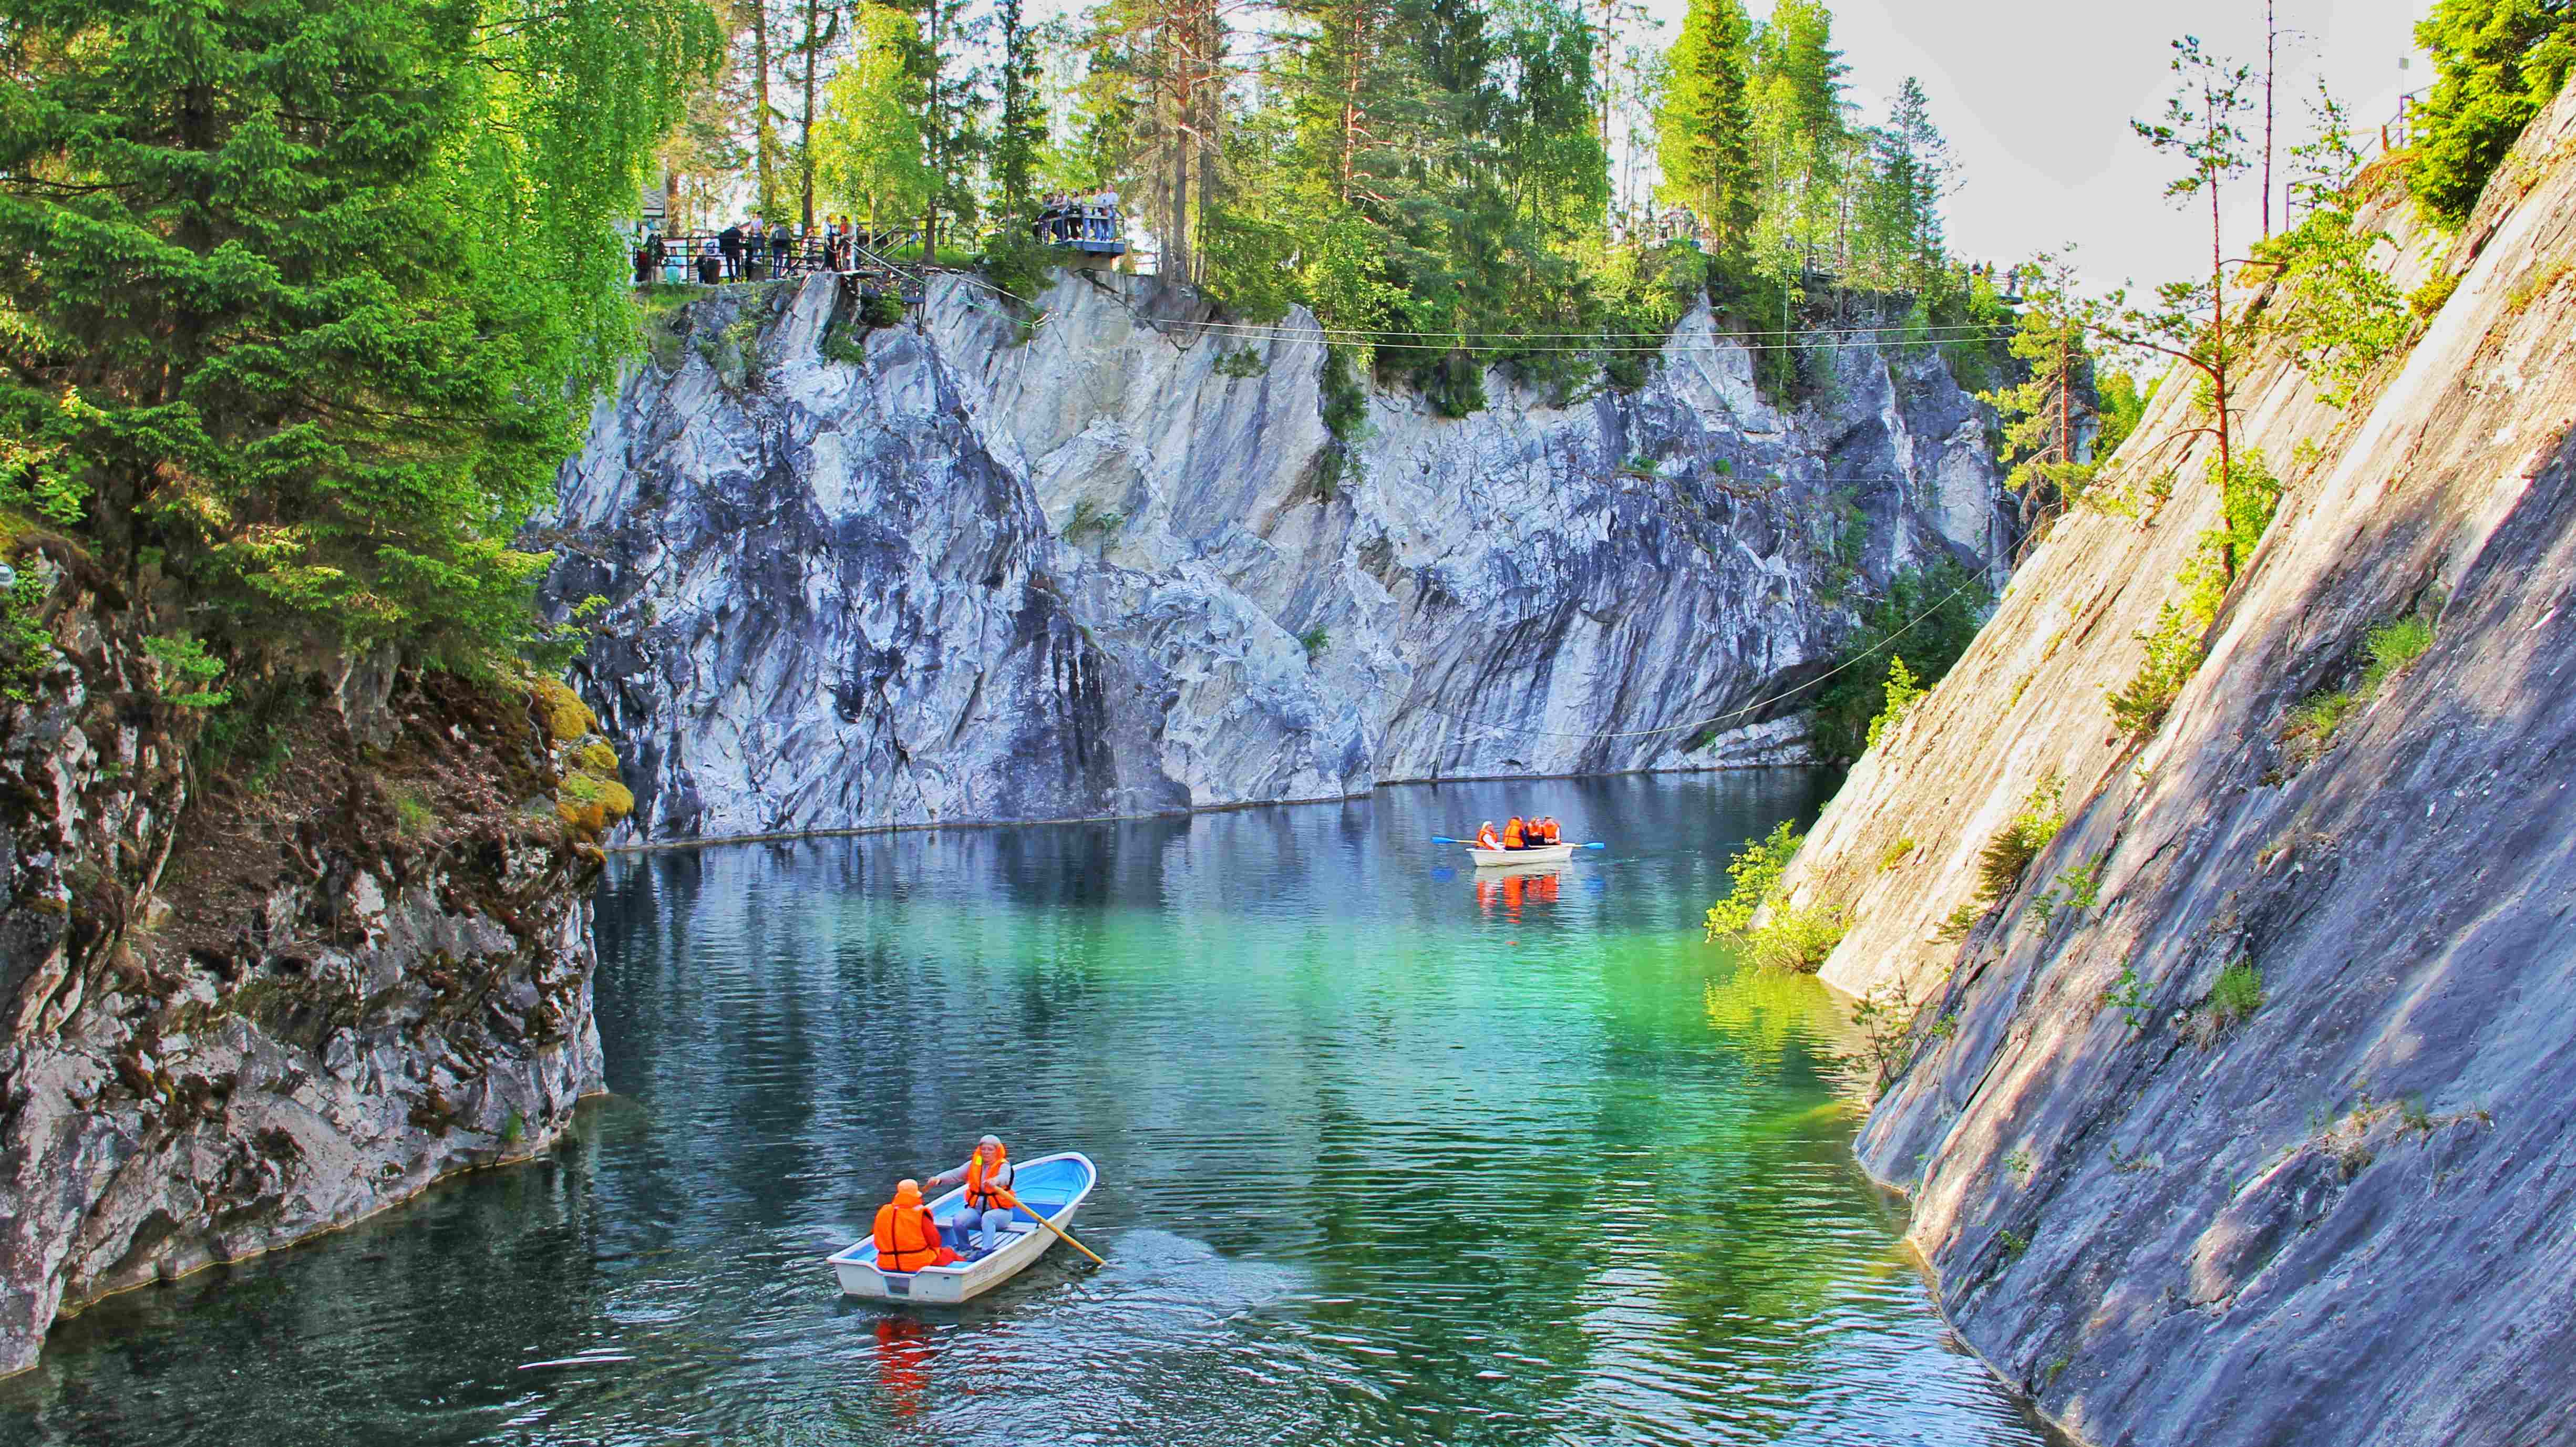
(907, 1234)
(1547, 831)
(1486, 838)
(1515, 833)
(987, 1176)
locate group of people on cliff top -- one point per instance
(1519, 833)
(910, 1236)
(1064, 216)
(750, 250)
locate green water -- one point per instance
(1390, 1154)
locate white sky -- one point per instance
(2036, 97)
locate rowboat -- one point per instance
(1053, 1185)
(1543, 854)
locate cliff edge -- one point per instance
(2236, 1116)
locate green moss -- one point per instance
(413, 817)
(1894, 854)
(561, 710)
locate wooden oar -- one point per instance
(1058, 1230)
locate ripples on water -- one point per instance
(1390, 1154)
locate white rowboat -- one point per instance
(1054, 1185)
(1543, 854)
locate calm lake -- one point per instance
(1389, 1153)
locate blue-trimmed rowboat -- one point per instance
(1054, 1185)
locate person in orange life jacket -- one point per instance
(907, 1234)
(987, 1178)
(1514, 835)
(1547, 830)
(1486, 838)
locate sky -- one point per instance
(2036, 97)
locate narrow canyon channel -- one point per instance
(1390, 1154)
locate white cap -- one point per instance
(990, 1140)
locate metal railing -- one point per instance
(698, 257)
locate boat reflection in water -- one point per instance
(1510, 888)
(903, 1362)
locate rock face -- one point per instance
(1113, 562)
(228, 1021)
(2343, 1217)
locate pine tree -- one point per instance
(1704, 124)
(868, 151)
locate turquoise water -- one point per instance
(1390, 1154)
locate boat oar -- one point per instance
(1445, 839)
(1058, 1230)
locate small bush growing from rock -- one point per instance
(1788, 937)
(2237, 995)
(1894, 854)
(2009, 853)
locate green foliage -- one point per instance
(2019, 1162)
(2180, 637)
(845, 344)
(2044, 416)
(1315, 640)
(2496, 63)
(1345, 402)
(1703, 130)
(1797, 940)
(1894, 854)
(867, 145)
(1788, 937)
(2248, 496)
(2334, 303)
(2128, 995)
(1955, 926)
(2426, 302)
(881, 309)
(2123, 406)
(1902, 691)
(1017, 263)
(183, 671)
(2078, 887)
(26, 644)
(2008, 854)
(514, 1128)
(1757, 870)
(1933, 613)
(2237, 995)
(312, 299)
(2389, 648)
(1241, 364)
(2014, 1244)
(2394, 645)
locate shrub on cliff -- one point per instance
(305, 302)
(1758, 915)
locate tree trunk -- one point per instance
(764, 136)
(805, 127)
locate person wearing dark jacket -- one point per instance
(729, 242)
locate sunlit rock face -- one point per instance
(1114, 562)
(2335, 1210)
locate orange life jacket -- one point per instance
(1547, 830)
(1512, 834)
(907, 1237)
(984, 1197)
(1486, 838)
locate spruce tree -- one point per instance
(303, 298)
(1704, 126)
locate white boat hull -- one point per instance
(1544, 854)
(1025, 1241)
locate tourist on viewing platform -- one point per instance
(729, 246)
(1109, 227)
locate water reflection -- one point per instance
(1392, 1152)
